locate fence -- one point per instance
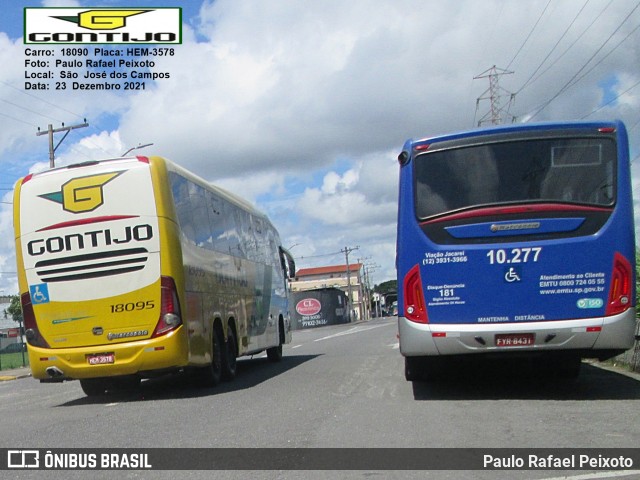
(631, 358)
(9, 360)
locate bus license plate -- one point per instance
(515, 339)
(101, 358)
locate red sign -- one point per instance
(13, 332)
(308, 306)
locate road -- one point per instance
(338, 386)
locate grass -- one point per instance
(13, 360)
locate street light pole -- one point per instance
(136, 148)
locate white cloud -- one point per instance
(302, 107)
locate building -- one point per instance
(347, 278)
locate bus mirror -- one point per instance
(292, 266)
(403, 158)
(288, 263)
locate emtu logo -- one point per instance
(83, 194)
(102, 19)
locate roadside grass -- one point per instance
(13, 360)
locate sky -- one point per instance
(302, 106)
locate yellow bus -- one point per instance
(134, 267)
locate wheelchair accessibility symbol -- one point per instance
(39, 293)
(512, 275)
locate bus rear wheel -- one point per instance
(424, 368)
(229, 359)
(274, 354)
(94, 387)
(210, 375)
(412, 369)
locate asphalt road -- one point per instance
(340, 387)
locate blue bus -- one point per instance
(516, 240)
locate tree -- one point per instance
(390, 286)
(15, 309)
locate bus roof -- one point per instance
(514, 127)
(230, 197)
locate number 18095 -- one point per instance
(132, 306)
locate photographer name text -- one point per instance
(96, 68)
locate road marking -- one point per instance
(394, 346)
(296, 346)
(591, 476)
(350, 331)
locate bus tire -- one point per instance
(274, 354)
(413, 369)
(210, 375)
(229, 359)
(564, 366)
(126, 383)
(94, 387)
(424, 368)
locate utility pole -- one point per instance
(50, 131)
(494, 94)
(347, 251)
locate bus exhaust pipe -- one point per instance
(54, 373)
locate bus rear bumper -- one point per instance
(600, 337)
(129, 358)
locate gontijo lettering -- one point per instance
(97, 238)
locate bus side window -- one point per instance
(181, 198)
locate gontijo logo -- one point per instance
(83, 194)
(102, 25)
(102, 19)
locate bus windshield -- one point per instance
(566, 170)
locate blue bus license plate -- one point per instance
(515, 339)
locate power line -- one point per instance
(573, 43)
(612, 100)
(52, 105)
(18, 120)
(50, 131)
(530, 33)
(554, 47)
(302, 257)
(40, 99)
(572, 81)
(30, 111)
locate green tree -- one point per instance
(15, 309)
(386, 287)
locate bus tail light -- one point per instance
(170, 318)
(621, 286)
(30, 325)
(414, 306)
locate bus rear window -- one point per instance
(565, 170)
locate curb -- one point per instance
(7, 378)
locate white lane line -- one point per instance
(349, 332)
